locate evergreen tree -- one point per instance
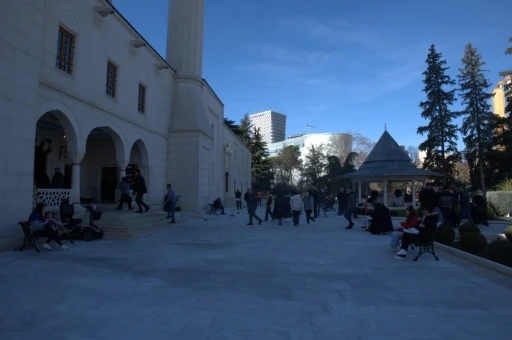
(231, 125)
(262, 175)
(244, 131)
(441, 143)
(314, 168)
(477, 125)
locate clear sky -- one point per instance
(335, 64)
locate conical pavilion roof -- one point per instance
(389, 160)
(387, 149)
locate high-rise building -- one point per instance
(272, 125)
(499, 101)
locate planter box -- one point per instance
(494, 266)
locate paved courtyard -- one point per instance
(220, 279)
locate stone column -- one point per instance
(76, 158)
(385, 192)
(122, 165)
(414, 194)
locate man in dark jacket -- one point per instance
(139, 189)
(268, 207)
(252, 204)
(350, 207)
(238, 197)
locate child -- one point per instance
(55, 223)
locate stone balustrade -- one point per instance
(52, 198)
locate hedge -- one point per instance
(500, 201)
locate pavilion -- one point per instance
(389, 162)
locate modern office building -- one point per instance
(272, 125)
(499, 101)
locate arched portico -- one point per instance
(105, 154)
(139, 159)
(57, 139)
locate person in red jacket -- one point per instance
(410, 222)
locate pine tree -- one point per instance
(245, 131)
(262, 175)
(477, 124)
(232, 125)
(441, 143)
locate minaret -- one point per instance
(185, 30)
(190, 145)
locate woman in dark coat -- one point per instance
(280, 208)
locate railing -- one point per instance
(52, 198)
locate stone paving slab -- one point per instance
(221, 279)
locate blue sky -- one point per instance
(337, 65)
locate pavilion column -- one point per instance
(385, 192)
(414, 194)
(360, 194)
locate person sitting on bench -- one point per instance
(410, 222)
(217, 204)
(423, 233)
(41, 228)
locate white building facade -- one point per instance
(81, 90)
(272, 125)
(304, 142)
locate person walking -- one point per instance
(124, 186)
(350, 207)
(341, 196)
(238, 197)
(465, 205)
(170, 203)
(309, 205)
(139, 189)
(296, 207)
(321, 203)
(280, 208)
(268, 207)
(252, 205)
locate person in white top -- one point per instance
(296, 205)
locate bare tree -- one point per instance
(339, 145)
(361, 145)
(414, 154)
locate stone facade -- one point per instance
(52, 117)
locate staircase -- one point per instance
(128, 225)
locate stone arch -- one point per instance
(141, 144)
(122, 154)
(68, 121)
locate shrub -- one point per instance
(506, 185)
(508, 233)
(445, 235)
(473, 242)
(468, 228)
(491, 213)
(500, 201)
(500, 251)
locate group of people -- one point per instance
(139, 189)
(45, 224)
(285, 206)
